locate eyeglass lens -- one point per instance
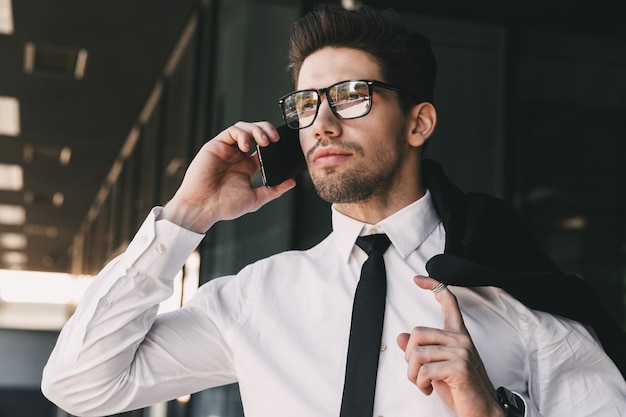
(347, 99)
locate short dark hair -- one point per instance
(405, 59)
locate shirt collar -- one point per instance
(407, 228)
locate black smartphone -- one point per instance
(283, 159)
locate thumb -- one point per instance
(403, 340)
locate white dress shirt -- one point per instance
(280, 329)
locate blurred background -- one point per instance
(103, 105)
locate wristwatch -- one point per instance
(512, 404)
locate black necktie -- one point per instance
(366, 330)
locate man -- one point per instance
(281, 326)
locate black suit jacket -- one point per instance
(487, 244)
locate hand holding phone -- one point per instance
(283, 159)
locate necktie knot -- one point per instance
(373, 243)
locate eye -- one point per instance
(360, 91)
(306, 104)
(350, 92)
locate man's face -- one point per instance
(357, 159)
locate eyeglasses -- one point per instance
(349, 99)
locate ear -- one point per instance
(421, 123)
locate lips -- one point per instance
(330, 155)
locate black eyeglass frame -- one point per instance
(370, 85)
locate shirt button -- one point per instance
(161, 249)
(143, 239)
(383, 347)
(104, 303)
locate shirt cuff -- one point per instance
(160, 248)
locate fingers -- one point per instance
(403, 340)
(446, 360)
(454, 332)
(422, 338)
(427, 375)
(218, 182)
(245, 135)
(428, 350)
(452, 317)
(428, 363)
(235, 146)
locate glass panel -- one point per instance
(575, 154)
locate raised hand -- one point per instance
(446, 361)
(217, 185)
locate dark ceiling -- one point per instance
(73, 123)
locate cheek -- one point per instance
(390, 147)
(306, 146)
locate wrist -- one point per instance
(188, 217)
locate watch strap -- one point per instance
(511, 403)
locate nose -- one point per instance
(326, 124)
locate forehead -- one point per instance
(330, 65)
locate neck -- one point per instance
(382, 205)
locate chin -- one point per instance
(341, 191)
